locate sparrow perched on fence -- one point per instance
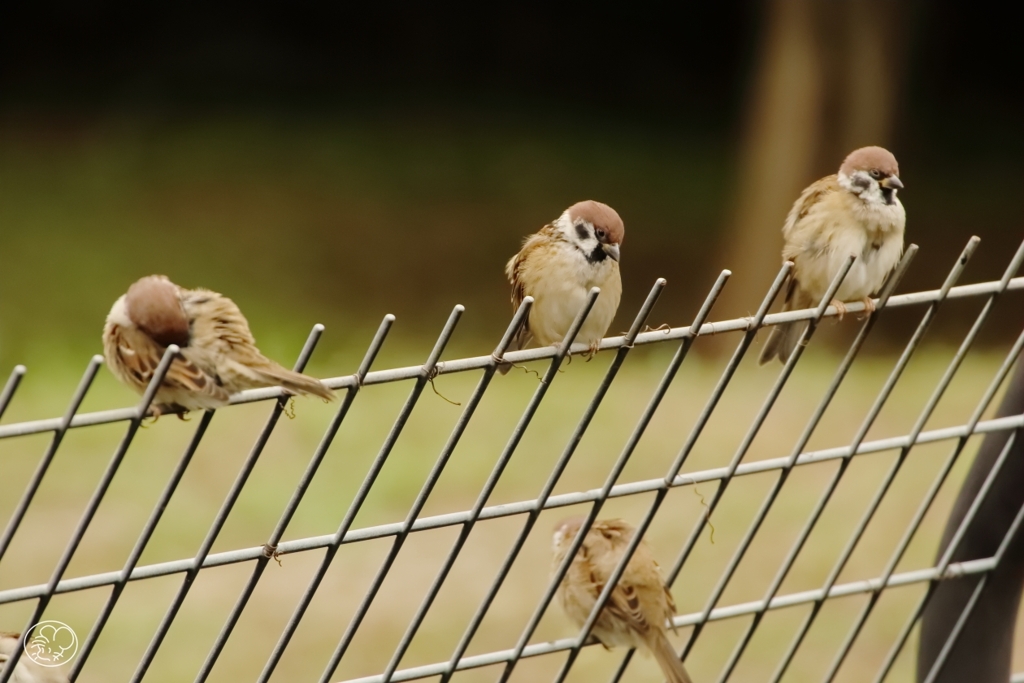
(558, 266)
(218, 354)
(640, 605)
(26, 670)
(854, 212)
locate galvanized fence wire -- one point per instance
(531, 509)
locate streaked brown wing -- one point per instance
(624, 602)
(671, 602)
(140, 357)
(811, 196)
(523, 335)
(514, 271)
(185, 375)
(131, 354)
(216, 322)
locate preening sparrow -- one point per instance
(854, 212)
(218, 354)
(26, 670)
(558, 266)
(637, 610)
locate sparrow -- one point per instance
(854, 212)
(218, 355)
(558, 266)
(27, 670)
(640, 605)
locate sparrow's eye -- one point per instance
(600, 233)
(876, 174)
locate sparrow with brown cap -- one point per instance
(853, 213)
(638, 608)
(558, 266)
(217, 358)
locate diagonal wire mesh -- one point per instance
(522, 644)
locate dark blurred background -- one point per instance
(333, 165)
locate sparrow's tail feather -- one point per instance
(784, 337)
(297, 383)
(668, 660)
(782, 342)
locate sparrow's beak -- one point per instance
(892, 183)
(612, 250)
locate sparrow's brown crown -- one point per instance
(606, 221)
(870, 159)
(155, 308)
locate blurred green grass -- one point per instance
(85, 453)
(339, 219)
(341, 216)
(335, 219)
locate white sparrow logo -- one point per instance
(51, 643)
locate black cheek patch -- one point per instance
(581, 230)
(861, 182)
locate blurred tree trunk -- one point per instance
(825, 82)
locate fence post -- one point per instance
(983, 652)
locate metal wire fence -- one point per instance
(524, 644)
